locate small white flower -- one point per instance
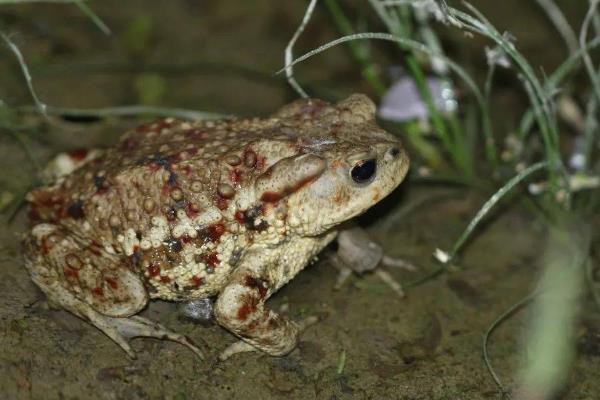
(423, 172)
(537, 188)
(497, 56)
(441, 256)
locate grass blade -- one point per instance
(41, 107)
(93, 16)
(289, 71)
(133, 110)
(491, 202)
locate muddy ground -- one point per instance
(370, 344)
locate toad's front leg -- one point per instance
(241, 309)
(358, 253)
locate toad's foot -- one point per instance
(398, 263)
(390, 281)
(357, 253)
(386, 277)
(243, 347)
(121, 330)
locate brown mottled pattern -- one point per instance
(177, 210)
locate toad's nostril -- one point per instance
(394, 151)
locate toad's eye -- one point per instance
(364, 171)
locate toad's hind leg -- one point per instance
(93, 285)
(119, 329)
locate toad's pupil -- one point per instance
(364, 171)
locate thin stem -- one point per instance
(485, 28)
(542, 102)
(587, 60)
(555, 79)
(561, 24)
(289, 56)
(491, 202)
(486, 120)
(41, 107)
(93, 16)
(359, 50)
(133, 110)
(488, 334)
(590, 130)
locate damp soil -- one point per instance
(369, 343)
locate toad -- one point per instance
(231, 209)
